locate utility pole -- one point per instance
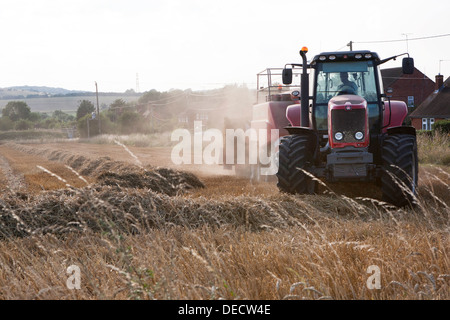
(98, 110)
(89, 134)
(350, 44)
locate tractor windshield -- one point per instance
(338, 78)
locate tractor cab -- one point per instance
(336, 75)
(347, 73)
(345, 128)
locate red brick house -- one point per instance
(436, 107)
(413, 89)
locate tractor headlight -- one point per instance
(338, 136)
(359, 135)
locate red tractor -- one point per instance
(344, 127)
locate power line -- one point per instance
(343, 47)
(407, 39)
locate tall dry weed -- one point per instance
(434, 149)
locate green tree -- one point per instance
(85, 107)
(16, 110)
(49, 123)
(89, 128)
(130, 122)
(115, 109)
(23, 125)
(151, 95)
(443, 126)
(62, 116)
(35, 117)
(118, 103)
(130, 92)
(6, 124)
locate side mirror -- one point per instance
(408, 65)
(287, 76)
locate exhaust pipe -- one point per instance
(304, 90)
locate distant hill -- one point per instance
(48, 99)
(21, 92)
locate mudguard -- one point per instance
(402, 130)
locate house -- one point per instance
(183, 118)
(413, 89)
(436, 107)
(188, 117)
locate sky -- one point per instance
(203, 44)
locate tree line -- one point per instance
(154, 111)
(17, 115)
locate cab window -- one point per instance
(338, 78)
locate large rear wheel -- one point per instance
(400, 170)
(295, 157)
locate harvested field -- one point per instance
(140, 227)
(103, 170)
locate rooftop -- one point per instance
(437, 105)
(393, 74)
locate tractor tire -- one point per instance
(400, 170)
(295, 154)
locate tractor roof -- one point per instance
(347, 56)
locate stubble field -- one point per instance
(138, 227)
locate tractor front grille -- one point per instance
(348, 122)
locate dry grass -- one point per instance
(305, 262)
(434, 149)
(165, 237)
